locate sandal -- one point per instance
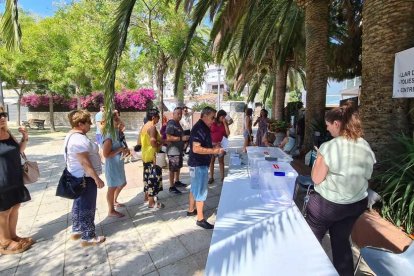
(119, 205)
(116, 215)
(19, 247)
(75, 236)
(158, 205)
(93, 241)
(25, 240)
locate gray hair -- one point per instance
(207, 111)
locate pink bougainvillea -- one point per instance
(126, 99)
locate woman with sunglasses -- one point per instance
(12, 190)
(83, 160)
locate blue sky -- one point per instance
(42, 8)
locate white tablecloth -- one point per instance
(252, 238)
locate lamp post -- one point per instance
(218, 88)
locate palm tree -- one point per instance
(11, 32)
(10, 27)
(316, 30)
(388, 28)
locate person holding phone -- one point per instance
(218, 129)
(12, 190)
(341, 172)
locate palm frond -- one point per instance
(116, 43)
(256, 86)
(199, 12)
(10, 27)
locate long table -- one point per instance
(254, 238)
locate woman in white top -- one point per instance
(341, 172)
(83, 160)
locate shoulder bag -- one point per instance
(30, 170)
(69, 186)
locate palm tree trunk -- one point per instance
(316, 28)
(279, 94)
(51, 113)
(388, 28)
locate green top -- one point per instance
(350, 165)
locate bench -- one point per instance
(39, 124)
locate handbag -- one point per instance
(30, 170)
(69, 186)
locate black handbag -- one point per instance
(69, 186)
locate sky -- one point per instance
(42, 8)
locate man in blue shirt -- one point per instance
(201, 149)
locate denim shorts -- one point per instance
(199, 179)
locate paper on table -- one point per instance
(225, 143)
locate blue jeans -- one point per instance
(83, 211)
(199, 180)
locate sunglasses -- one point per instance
(4, 115)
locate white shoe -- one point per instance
(93, 241)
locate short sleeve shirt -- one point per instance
(186, 121)
(98, 119)
(174, 129)
(350, 164)
(218, 131)
(200, 133)
(79, 143)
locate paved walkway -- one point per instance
(144, 242)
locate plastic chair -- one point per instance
(384, 262)
(305, 182)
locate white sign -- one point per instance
(404, 74)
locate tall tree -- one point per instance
(316, 30)
(158, 34)
(10, 32)
(18, 68)
(388, 28)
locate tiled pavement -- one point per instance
(144, 242)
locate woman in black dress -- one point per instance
(12, 190)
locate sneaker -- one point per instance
(93, 241)
(204, 224)
(179, 184)
(175, 190)
(191, 214)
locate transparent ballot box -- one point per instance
(277, 182)
(253, 169)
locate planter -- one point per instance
(372, 230)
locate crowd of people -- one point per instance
(340, 174)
